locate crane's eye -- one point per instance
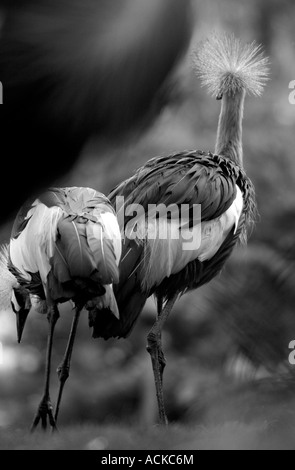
(219, 96)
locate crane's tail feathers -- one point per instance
(108, 301)
(101, 307)
(226, 65)
(107, 326)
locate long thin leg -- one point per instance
(162, 360)
(63, 370)
(154, 348)
(45, 407)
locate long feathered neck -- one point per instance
(230, 69)
(229, 133)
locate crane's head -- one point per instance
(12, 294)
(226, 66)
(21, 305)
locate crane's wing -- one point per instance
(66, 245)
(70, 239)
(88, 243)
(189, 178)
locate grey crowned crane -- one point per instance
(65, 245)
(218, 182)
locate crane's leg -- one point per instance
(154, 348)
(45, 408)
(63, 370)
(162, 359)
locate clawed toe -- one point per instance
(45, 410)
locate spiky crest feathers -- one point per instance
(227, 66)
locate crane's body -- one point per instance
(162, 266)
(217, 182)
(156, 265)
(59, 243)
(65, 245)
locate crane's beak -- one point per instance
(21, 318)
(21, 305)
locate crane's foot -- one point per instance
(45, 410)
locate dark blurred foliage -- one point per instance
(73, 69)
(227, 345)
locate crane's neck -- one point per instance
(229, 134)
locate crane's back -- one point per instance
(66, 244)
(191, 177)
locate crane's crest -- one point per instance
(226, 65)
(7, 280)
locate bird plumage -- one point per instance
(66, 245)
(216, 183)
(226, 65)
(8, 280)
(230, 70)
(192, 178)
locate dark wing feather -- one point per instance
(194, 180)
(103, 253)
(21, 218)
(72, 243)
(54, 197)
(107, 326)
(128, 295)
(187, 178)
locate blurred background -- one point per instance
(227, 345)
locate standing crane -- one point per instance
(217, 182)
(65, 245)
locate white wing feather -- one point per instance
(164, 257)
(33, 248)
(112, 231)
(7, 280)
